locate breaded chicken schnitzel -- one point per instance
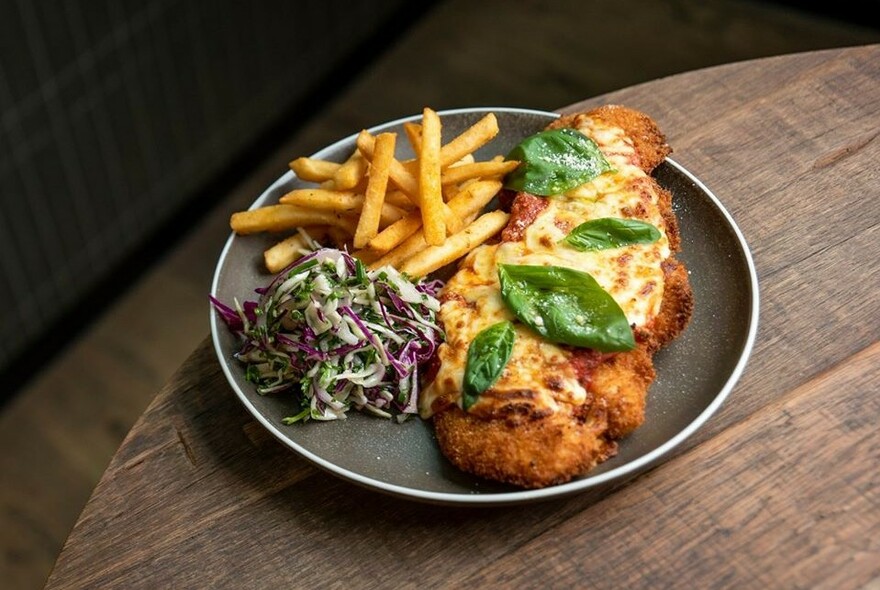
(556, 410)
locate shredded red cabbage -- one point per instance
(338, 336)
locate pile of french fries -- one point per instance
(416, 215)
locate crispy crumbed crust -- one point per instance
(649, 141)
(536, 450)
(530, 453)
(669, 217)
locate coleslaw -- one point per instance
(338, 336)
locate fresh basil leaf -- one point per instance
(566, 306)
(555, 161)
(486, 358)
(611, 232)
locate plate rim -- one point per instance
(630, 468)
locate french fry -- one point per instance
(273, 218)
(411, 214)
(325, 200)
(390, 214)
(397, 232)
(398, 199)
(460, 150)
(463, 172)
(398, 174)
(449, 191)
(472, 198)
(453, 224)
(436, 257)
(284, 252)
(291, 248)
(405, 181)
(471, 218)
(312, 170)
(414, 135)
(412, 166)
(406, 250)
(345, 202)
(473, 138)
(383, 155)
(365, 143)
(466, 205)
(351, 172)
(430, 193)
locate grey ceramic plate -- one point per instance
(694, 374)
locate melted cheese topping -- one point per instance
(539, 373)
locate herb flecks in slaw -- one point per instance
(338, 336)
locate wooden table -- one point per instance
(781, 488)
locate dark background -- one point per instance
(121, 117)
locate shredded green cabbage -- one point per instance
(338, 336)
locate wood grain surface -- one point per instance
(779, 489)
